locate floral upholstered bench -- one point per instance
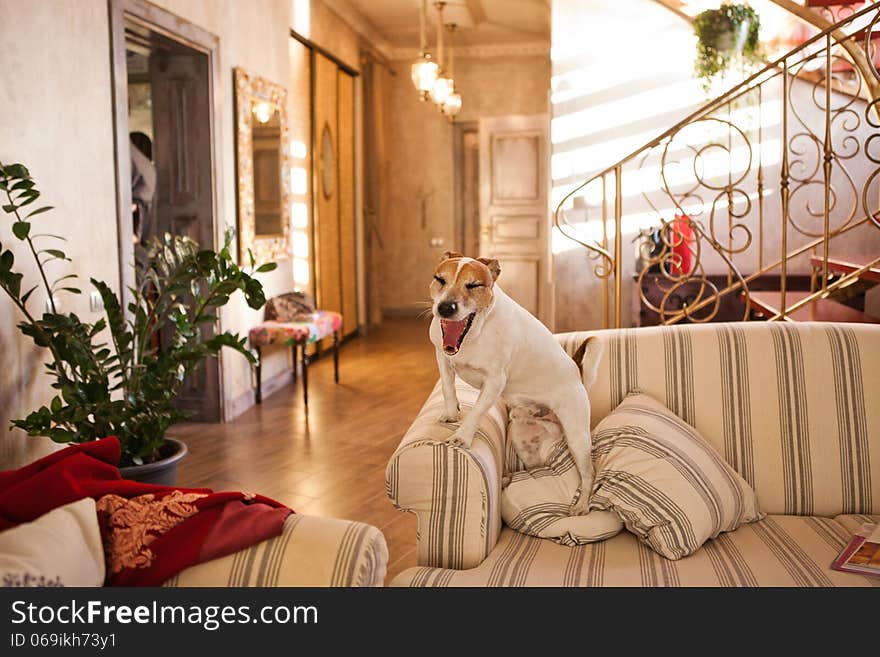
(291, 319)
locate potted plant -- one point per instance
(111, 377)
(726, 37)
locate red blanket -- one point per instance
(150, 533)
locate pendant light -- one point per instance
(452, 105)
(424, 70)
(443, 85)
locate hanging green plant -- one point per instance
(727, 37)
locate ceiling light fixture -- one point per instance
(443, 85)
(424, 70)
(452, 105)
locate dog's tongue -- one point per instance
(452, 333)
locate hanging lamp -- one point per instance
(424, 70)
(443, 85)
(452, 105)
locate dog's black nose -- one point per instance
(447, 308)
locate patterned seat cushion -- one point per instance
(321, 324)
(776, 551)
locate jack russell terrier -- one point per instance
(497, 346)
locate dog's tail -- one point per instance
(588, 356)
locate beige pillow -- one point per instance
(60, 548)
(665, 482)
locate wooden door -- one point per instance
(184, 202)
(335, 228)
(347, 224)
(328, 283)
(514, 207)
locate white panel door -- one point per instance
(514, 207)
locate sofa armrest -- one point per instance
(455, 492)
(310, 551)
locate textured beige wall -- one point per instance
(55, 95)
(57, 118)
(419, 145)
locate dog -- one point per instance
(497, 346)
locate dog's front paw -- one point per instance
(449, 417)
(580, 506)
(461, 438)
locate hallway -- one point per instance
(330, 462)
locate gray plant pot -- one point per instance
(162, 472)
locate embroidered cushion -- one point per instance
(60, 548)
(290, 307)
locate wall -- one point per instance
(70, 155)
(56, 56)
(610, 98)
(419, 148)
(621, 75)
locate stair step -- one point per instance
(820, 310)
(832, 3)
(849, 264)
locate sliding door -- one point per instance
(333, 190)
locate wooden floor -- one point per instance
(331, 461)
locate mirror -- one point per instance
(267, 170)
(263, 163)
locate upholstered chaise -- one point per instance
(310, 551)
(794, 408)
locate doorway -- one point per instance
(163, 76)
(467, 188)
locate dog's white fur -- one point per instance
(508, 354)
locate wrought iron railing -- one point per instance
(767, 180)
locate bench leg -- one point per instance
(305, 375)
(293, 351)
(259, 376)
(336, 356)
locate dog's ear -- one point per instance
(449, 255)
(493, 266)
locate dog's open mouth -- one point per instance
(454, 332)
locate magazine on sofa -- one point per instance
(862, 554)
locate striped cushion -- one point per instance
(310, 551)
(667, 484)
(793, 407)
(537, 502)
(776, 551)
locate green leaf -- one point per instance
(17, 171)
(9, 208)
(22, 184)
(6, 261)
(27, 295)
(13, 283)
(21, 229)
(269, 266)
(61, 436)
(40, 210)
(55, 253)
(56, 404)
(75, 290)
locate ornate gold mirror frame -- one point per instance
(251, 91)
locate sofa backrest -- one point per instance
(793, 407)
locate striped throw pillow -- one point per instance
(668, 485)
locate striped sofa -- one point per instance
(794, 408)
(310, 551)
